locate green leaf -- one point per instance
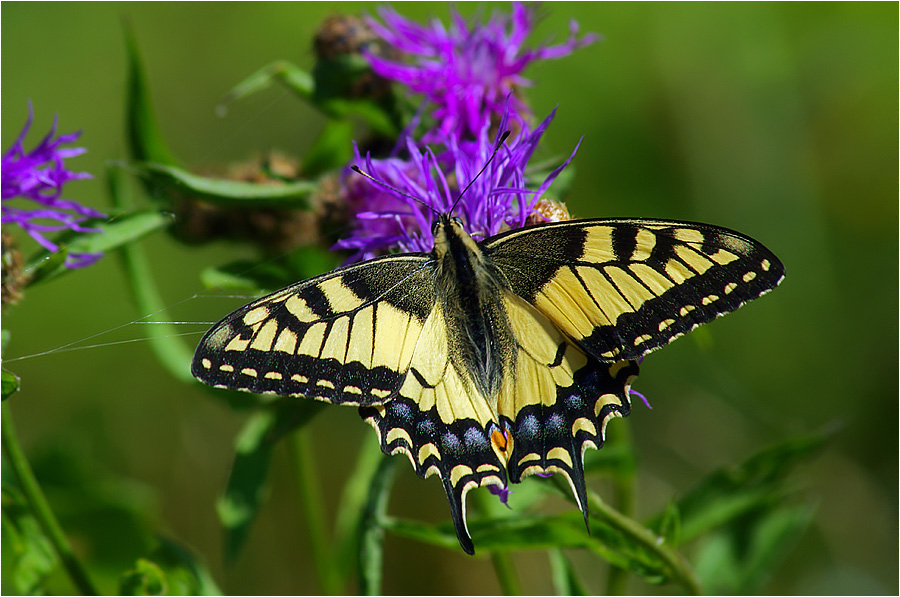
(121, 230)
(181, 562)
(116, 232)
(170, 570)
(371, 113)
(333, 148)
(244, 276)
(145, 141)
(45, 265)
(773, 539)
(337, 77)
(329, 89)
(541, 532)
(741, 557)
(728, 493)
(565, 580)
(339, 82)
(291, 76)
(670, 524)
(27, 555)
(10, 384)
(221, 191)
(145, 579)
(247, 485)
(252, 277)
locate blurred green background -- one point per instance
(778, 120)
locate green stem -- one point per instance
(501, 560)
(371, 541)
(40, 508)
(680, 568)
(352, 505)
(506, 573)
(171, 350)
(313, 512)
(623, 494)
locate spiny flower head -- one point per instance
(397, 214)
(39, 175)
(467, 72)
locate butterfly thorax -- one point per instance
(470, 290)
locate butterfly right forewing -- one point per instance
(623, 287)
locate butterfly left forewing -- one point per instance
(623, 287)
(344, 337)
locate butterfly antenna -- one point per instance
(500, 142)
(383, 185)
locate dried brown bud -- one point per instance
(548, 211)
(275, 229)
(345, 34)
(339, 38)
(14, 279)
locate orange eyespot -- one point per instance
(502, 440)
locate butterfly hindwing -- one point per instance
(344, 337)
(623, 287)
(441, 422)
(560, 400)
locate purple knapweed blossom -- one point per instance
(503, 492)
(39, 175)
(641, 396)
(398, 215)
(467, 72)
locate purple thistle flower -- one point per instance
(428, 184)
(39, 175)
(501, 492)
(641, 396)
(468, 71)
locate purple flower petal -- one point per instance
(397, 214)
(641, 396)
(467, 73)
(39, 176)
(501, 492)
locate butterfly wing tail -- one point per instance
(460, 453)
(552, 439)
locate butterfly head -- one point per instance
(451, 237)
